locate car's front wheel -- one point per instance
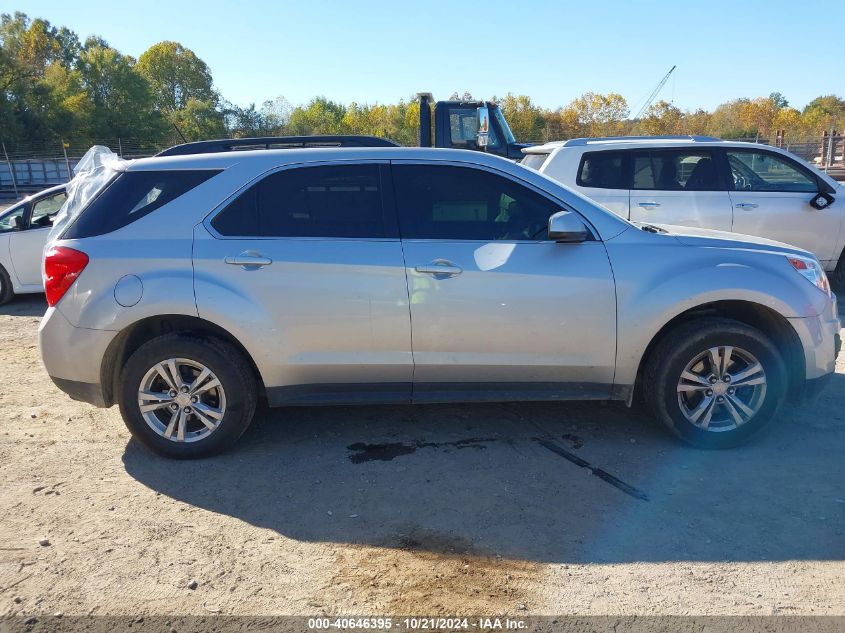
(186, 397)
(715, 382)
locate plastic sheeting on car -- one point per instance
(93, 172)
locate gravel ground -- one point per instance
(412, 510)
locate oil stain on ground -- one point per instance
(363, 452)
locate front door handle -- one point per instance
(249, 259)
(440, 268)
(746, 205)
(649, 205)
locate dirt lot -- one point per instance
(401, 510)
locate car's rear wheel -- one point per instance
(187, 397)
(715, 382)
(6, 292)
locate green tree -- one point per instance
(823, 114)
(182, 88)
(121, 100)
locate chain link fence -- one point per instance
(27, 168)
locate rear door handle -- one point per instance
(746, 205)
(249, 260)
(440, 268)
(649, 205)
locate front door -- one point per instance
(27, 245)
(771, 196)
(498, 311)
(306, 267)
(681, 187)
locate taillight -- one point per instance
(62, 266)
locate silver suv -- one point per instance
(194, 286)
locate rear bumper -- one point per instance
(82, 391)
(73, 356)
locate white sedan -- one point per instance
(23, 232)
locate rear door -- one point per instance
(771, 196)
(680, 186)
(307, 266)
(498, 311)
(26, 246)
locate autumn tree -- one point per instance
(525, 119)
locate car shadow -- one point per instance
(28, 305)
(559, 482)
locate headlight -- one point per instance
(812, 271)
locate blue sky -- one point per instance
(380, 51)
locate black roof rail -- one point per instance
(276, 142)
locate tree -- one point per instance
(661, 118)
(596, 114)
(27, 49)
(182, 88)
(823, 114)
(524, 118)
(176, 76)
(121, 98)
(319, 116)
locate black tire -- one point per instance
(6, 292)
(837, 277)
(227, 364)
(681, 346)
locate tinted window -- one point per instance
(132, 195)
(680, 170)
(335, 201)
(762, 171)
(444, 202)
(603, 170)
(44, 211)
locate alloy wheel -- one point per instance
(722, 388)
(181, 400)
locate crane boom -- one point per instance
(654, 92)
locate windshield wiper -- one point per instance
(649, 228)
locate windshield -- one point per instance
(505, 128)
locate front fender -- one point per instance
(651, 291)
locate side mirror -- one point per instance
(821, 200)
(483, 116)
(17, 223)
(566, 226)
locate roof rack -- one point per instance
(276, 142)
(635, 139)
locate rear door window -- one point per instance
(675, 170)
(602, 170)
(336, 201)
(131, 196)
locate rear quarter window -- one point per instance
(534, 161)
(131, 196)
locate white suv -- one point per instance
(704, 182)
